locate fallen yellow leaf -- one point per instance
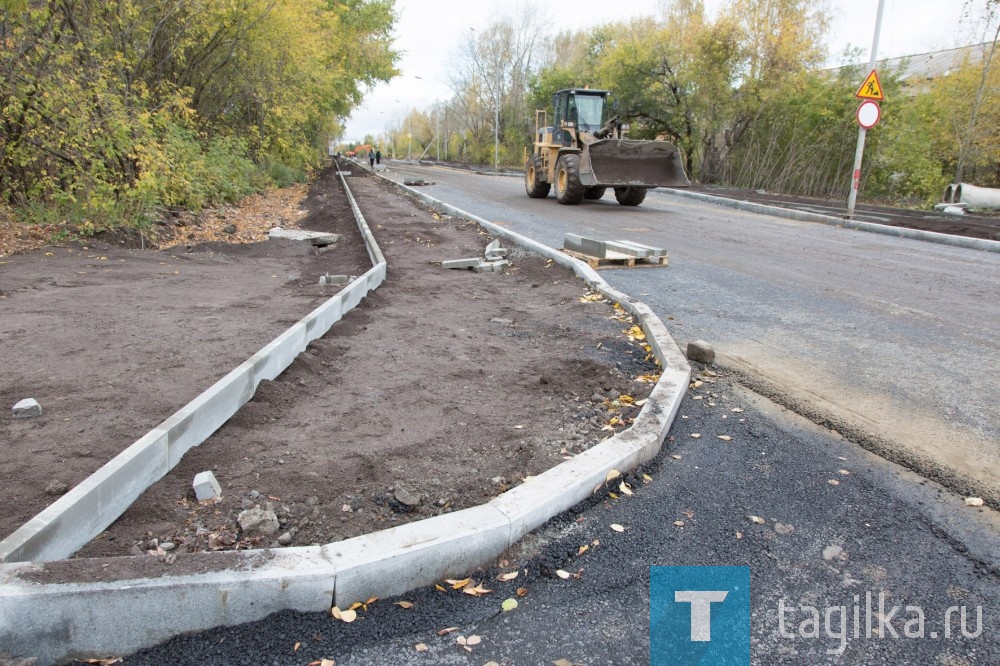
(612, 475)
(458, 584)
(583, 549)
(624, 487)
(617, 528)
(477, 591)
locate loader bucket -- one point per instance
(624, 162)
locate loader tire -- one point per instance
(569, 190)
(536, 188)
(594, 192)
(630, 196)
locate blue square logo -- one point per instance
(699, 616)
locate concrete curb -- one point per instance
(44, 613)
(871, 227)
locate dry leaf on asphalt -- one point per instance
(522, 592)
(509, 604)
(757, 519)
(439, 588)
(676, 457)
(473, 640)
(563, 574)
(624, 487)
(420, 647)
(458, 584)
(646, 478)
(507, 576)
(612, 475)
(844, 472)
(476, 590)
(617, 528)
(695, 435)
(725, 438)
(833, 482)
(678, 523)
(583, 549)
(974, 501)
(442, 632)
(562, 662)
(404, 604)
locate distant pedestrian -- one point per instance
(371, 159)
(378, 157)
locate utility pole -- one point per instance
(859, 152)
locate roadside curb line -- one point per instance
(112, 606)
(871, 227)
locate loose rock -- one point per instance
(57, 487)
(701, 352)
(27, 408)
(258, 521)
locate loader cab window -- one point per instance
(561, 113)
(588, 110)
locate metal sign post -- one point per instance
(867, 91)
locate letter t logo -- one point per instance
(701, 611)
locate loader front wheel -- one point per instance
(569, 190)
(594, 192)
(630, 196)
(533, 185)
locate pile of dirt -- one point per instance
(442, 390)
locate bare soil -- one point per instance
(442, 390)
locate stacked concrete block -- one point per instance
(493, 263)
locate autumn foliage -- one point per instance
(113, 109)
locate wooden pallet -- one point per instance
(617, 260)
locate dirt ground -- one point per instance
(441, 390)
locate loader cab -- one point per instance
(582, 107)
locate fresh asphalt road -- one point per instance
(879, 530)
(891, 340)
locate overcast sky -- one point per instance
(430, 31)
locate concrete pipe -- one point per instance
(949, 194)
(977, 197)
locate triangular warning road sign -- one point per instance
(871, 88)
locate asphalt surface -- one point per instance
(897, 533)
(900, 535)
(885, 338)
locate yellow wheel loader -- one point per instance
(582, 154)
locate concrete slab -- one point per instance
(652, 251)
(317, 238)
(402, 558)
(588, 246)
(492, 266)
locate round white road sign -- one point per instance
(869, 114)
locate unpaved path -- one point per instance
(443, 387)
